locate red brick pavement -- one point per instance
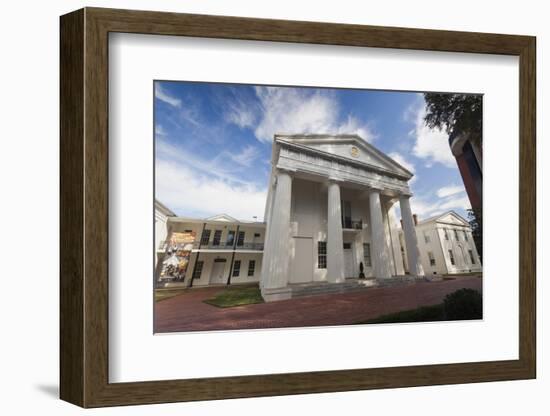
(187, 312)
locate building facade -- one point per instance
(446, 245)
(329, 210)
(214, 251)
(468, 155)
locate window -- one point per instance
(446, 234)
(465, 235)
(426, 237)
(230, 238)
(472, 258)
(452, 257)
(322, 255)
(456, 234)
(240, 239)
(236, 268)
(366, 254)
(205, 237)
(251, 267)
(198, 270)
(347, 246)
(217, 237)
(256, 234)
(431, 258)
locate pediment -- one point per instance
(348, 147)
(222, 217)
(452, 217)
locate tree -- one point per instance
(475, 219)
(456, 114)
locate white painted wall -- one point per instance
(440, 247)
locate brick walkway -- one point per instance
(187, 312)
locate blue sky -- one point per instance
(213, 142)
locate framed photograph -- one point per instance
(255, 207)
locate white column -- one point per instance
(411, 243)
(379, 247)
(335, 245)
(276, 253)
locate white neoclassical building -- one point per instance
(329, 209)
(446, 245)
(329, 219)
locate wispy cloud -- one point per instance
(405, 163)
(299, 111)
(246, 156)
(432, 145)
(164, 96)
(211, 168)
(449, 190)
(190, 193)
(427, 205)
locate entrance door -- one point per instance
(302, 264)
(217, 275)
(349, 269)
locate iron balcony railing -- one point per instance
(348, 223)
(229, 246)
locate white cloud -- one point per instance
(295, 111)
(449, 190)
(428, 207)
(159, 130)
(239, 113)
(405, 163)
(246, 156)
(162, 95)
(214, 167)
(430, 144)
(187, 192)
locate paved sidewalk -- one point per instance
(187, 312)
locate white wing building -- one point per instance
(446, 245)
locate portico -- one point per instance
(330, 208)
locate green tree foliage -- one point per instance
(475, 218)
(455, 114)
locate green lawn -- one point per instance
(236, 296)
(162, 294)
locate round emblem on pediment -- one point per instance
(354, 151)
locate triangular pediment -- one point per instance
(349, 147)
(222, 217)
(449, 217)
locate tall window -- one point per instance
(236, 268)
(426, 237)
(366, 254)
(431, 258)
(198, 270)
(217, 238)
(240, 239)
(472, 258)
(465, 235)
(456, 234)
(322, 255)
(230, 238)
(446, 234)
(205, 238)
(251, 267)
(452, 257)
(346, 213)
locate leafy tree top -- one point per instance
(455, 113)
